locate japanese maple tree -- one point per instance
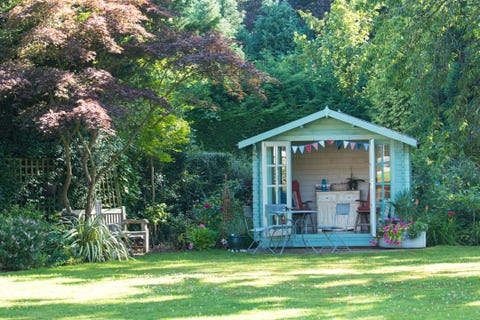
(78, 68)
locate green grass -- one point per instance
(434, 283)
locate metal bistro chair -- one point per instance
(257, 234)
(280, 227)
(342, 212)
(299, 225)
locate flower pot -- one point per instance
(418, 242)
(237, 242)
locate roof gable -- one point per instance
(327, 113)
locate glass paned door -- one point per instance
(383, 180)
(276, 172)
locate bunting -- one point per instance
(352, 145)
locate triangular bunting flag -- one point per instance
(294, 149)
(330, 141)
(339, 144)
(359, 146)
(366, 145)
(315, 145)
(309, 147)
(302, 148)
(352, 145)
(345, 144)
(322, 143)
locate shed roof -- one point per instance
(327, 113)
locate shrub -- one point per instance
(201, 237)
(23, 238)
(167, 228)
(443, 229)
(91, 241)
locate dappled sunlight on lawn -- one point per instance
(220, 285)
(255, 314)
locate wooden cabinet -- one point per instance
(327, 202)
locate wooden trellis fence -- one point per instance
(23, 170)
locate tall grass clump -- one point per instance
(89, 240)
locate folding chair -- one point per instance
(342, 212)
(280, 227)
(257, 234)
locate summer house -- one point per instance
(324, 159)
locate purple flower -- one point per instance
(190, 246)
(207, 205)
(201, 226)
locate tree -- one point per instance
(427, 55)
(274, 31)
(77, 69)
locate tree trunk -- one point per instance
(69, 174)
(90, 197)
(152, 178)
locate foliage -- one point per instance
(201, 16)
(407, 219)
(89, 240)
(273, 33)
(60, 72)
(200, 237)
(341, 44)
(232, 214)
(197, 174)
(23, 239)
(168, 229)
(443, 229)
(409, 210)
(209, 212)
(450, 186)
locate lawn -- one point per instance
(432, 283)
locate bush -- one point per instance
(23, 239)
(201, 237)
(91, 241)
(167, 228)
(443, 229)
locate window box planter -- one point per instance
(418, 242)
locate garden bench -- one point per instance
(116, 220)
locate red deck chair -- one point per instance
(297, 198)
(363, 215)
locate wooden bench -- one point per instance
(116, 219)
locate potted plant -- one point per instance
(407, 228)
(236, 231)
(395, 233)
(233, 224)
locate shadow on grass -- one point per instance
(411, 284)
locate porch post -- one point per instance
(373, 196)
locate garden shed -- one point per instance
(326, 158)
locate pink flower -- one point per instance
(451, 213)
(207, 205)
(201, 226)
